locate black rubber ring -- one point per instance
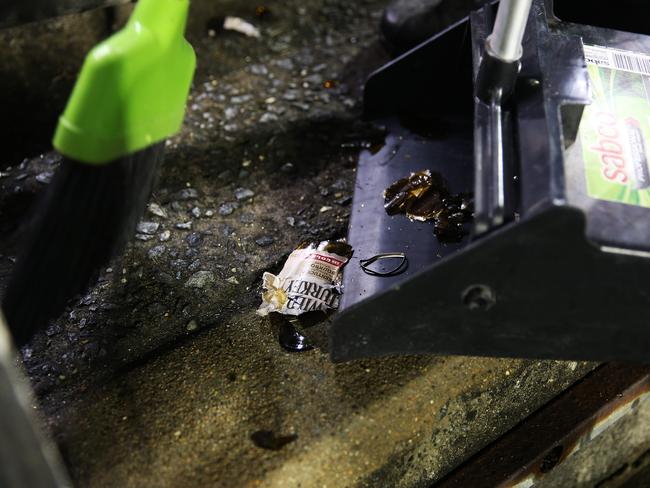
(399, 269)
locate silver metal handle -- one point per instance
(509, 28)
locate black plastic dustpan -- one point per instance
(555, 267)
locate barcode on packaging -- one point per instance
(617, 59)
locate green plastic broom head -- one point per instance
(132, 89)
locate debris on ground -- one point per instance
(399, 268)
(309, 281)
(240, 25)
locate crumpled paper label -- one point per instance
(310, 280)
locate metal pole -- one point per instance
(509, 28)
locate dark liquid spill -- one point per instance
(267, 439)
(291, 339)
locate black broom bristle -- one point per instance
(86, 217)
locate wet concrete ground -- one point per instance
(162, 375)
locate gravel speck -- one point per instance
(264, 241)
(339, 184)
(268, 117)
(196, 212)
(200, 279)
(227, 208)
(157, 251)
(247, 218)
(241, 99)
(157, 210)
(314, 79)
(259, 69)
(194, 239)
(165, 236)
(225, 175)
(53, 330)
(343, 201)
(244, 194)
(302, 106)
(148, 228)
(45, 177)
(285, 63)
(287, 168)
(187, 194)
(291, 95)
(192, 325)
(184, 225)
(230, 113)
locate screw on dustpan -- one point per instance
(479, 297)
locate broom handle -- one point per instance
(509, 28)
